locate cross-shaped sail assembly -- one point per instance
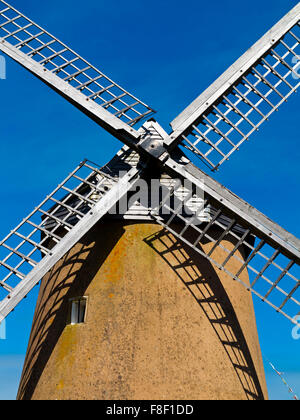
(212, 128)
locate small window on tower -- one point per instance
(78, 310)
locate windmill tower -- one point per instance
(146, 296)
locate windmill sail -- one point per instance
(212, 127)
(54, 227)
(220, 120)
(248, 240)
(70, 75)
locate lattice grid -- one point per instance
(274, 273)
(53, 55)
(38, 234)
(229, 122)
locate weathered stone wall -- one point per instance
(162, 323)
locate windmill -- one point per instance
(200, 218)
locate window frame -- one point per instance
(72, 302)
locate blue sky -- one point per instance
(166, 53)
